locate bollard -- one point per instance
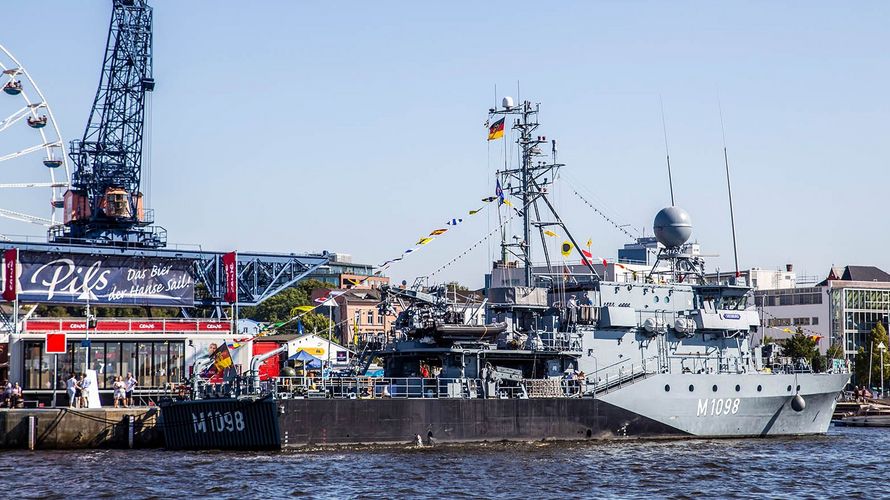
(32, 432)
(131, 430)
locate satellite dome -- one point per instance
(673, 227)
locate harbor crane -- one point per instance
(104, 205)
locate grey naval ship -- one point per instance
(557, 357)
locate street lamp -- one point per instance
(882, 348)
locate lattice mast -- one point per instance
(537, 170)
(105, 203)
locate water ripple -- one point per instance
(838, 465)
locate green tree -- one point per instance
(801, 346)
(877, 335)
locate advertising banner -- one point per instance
(9, 274)
(129, 326)
(104, 280)
(230, 267)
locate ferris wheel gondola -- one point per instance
(33, 160)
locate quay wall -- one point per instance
(69, 428)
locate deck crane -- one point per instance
(104, 206)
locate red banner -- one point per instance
(9, 265)
(230, 266)
(129, 326)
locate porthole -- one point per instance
(667, 299)
(738, 388)
(655, 299)
(667, 388)
(714, 388)
(691, 387)
(789, 388)
(759, 388)
(798, 388)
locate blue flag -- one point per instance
(299, 327)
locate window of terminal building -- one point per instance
(152, 363)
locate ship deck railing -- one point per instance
(419, 388)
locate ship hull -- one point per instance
(643, 409)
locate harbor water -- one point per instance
(848, 462)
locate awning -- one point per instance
(308, 360)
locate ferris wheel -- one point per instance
(34, 172)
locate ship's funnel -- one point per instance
(672, 226)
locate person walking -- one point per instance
(129, 385)
(71, 388)
(120, 392)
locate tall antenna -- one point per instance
(735, 250)
(667, 152)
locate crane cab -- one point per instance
(116, 203)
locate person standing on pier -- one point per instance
(85, 391)
(129, 385)
(120, 392)
(71, 389)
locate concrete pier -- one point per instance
(69, 428)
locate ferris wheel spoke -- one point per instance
(33, 219)
(15, 117)
(17, 185)
(30, 150)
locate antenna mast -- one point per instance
(735, 251)
(667, 152)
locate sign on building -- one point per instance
(56, 343)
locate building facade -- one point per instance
(841, 310)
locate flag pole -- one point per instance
(330, 333)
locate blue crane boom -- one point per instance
(105, 203)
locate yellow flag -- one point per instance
(589, 242)
(423, 241)
(566, 248)
(549, 233)
(437, 232)
(507, 202)
(304, 308)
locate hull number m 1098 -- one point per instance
(717, 406)
(230, 421)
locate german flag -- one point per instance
(496, 130)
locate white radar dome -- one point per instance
(673, 227)
(507, 102)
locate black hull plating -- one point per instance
(314, 422)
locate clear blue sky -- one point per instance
(357, 126)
